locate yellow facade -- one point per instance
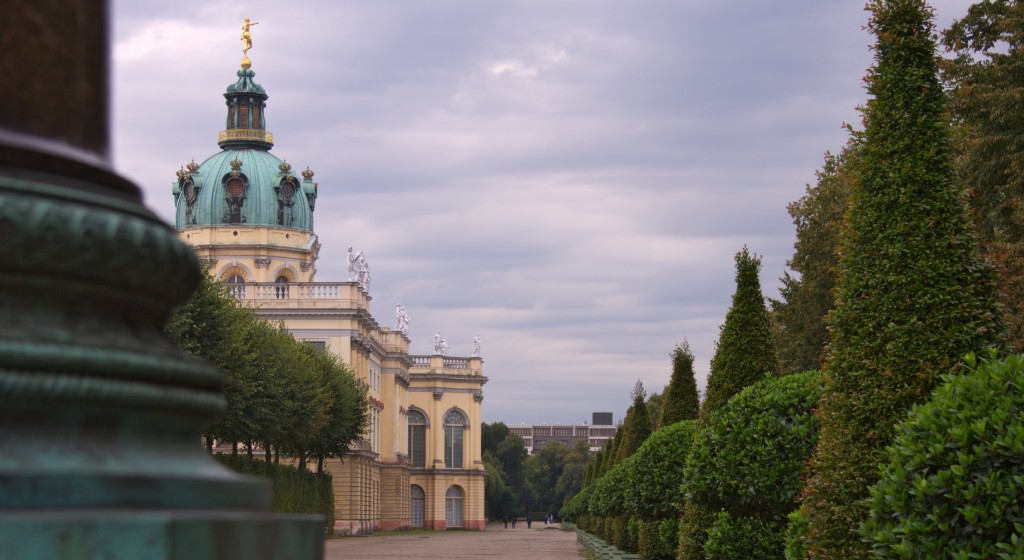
(272, 269)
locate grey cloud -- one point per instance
(569, 179)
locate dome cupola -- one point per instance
(244, 184)
(246, 125)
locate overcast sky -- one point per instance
(570, 179)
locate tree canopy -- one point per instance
(801, 331)
(280, 392)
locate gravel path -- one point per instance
(539, 543)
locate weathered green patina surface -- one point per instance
(100, 415)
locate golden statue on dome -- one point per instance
(247, 42)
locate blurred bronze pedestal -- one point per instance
(100, 416)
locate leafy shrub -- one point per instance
(618, 531)
(657, 539)
(608, 496)
(795, 546)
(748, 538)
(693, 531)
(953, 486)
(631, 538)
(750, 453)
(578, 505)
(654, 490)
(294, 491)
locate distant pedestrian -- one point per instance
(506, 521)
(514, 517)
(529, 520)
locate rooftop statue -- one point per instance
(401, 319)
(247, 42)
(359, 269)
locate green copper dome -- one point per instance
(244, 184)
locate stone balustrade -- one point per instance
(451, 365)
(311, 294)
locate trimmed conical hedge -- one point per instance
(745, 352)
(913, 297)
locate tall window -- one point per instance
(418, 505)
(454, 426)
(417, 438)
(453, 506)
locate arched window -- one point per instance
(281, 292)
(453, 507)
(236, 285)
(235, 199)
(285, 199)
(417, 438)
(418, 499)
(454, 425)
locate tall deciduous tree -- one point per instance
(801, 332)
(913, 296)
(987, 96)
(491, 436)
(211, 326)
(745, 351)
(347, 415)
(280, 392)
(681, 401)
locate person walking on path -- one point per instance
(529, 520)
(514, 517)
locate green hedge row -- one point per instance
(294, 491)
(694, 489)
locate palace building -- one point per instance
(250, 216)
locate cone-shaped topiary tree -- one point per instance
(637, 427)
(681, 400)
(745, 352)
(913, 297)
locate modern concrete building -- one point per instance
(536, 436)
(250, 216)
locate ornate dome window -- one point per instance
(235, 186)
(286, 198)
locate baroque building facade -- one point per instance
(250, 216)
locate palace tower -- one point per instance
(250, 216)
